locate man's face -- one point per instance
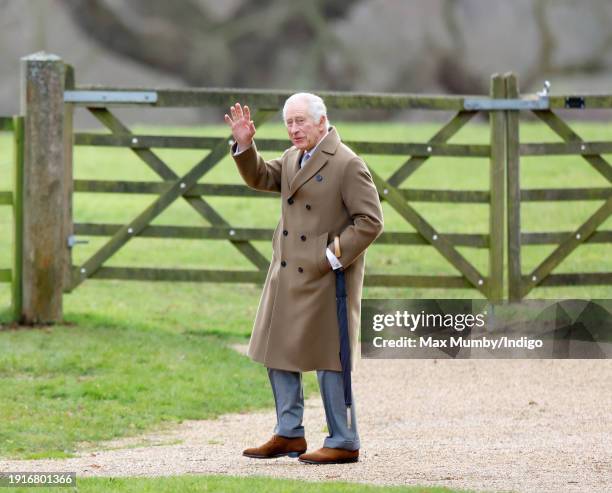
(303, 131)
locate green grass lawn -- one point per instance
(133, 356)
(225, 484)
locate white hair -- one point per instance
(316, 106)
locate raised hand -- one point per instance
(243, 128)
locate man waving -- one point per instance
(330, 214)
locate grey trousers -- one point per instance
(289, 400)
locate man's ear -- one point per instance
(323, 121)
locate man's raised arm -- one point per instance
(257, 173)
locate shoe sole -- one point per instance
(339, 461)
(293, 455)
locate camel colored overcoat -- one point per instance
(296, 326)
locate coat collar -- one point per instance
(327, 147)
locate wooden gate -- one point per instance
(520, 285)
(173, 187)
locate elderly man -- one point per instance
(330, 214)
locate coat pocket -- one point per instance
(320, 258)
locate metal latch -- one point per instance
(73, 241)
(538, 102)
(574, 102)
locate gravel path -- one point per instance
(524, 426)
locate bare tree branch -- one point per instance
(187, 41)
(165, 50)
(452, 73)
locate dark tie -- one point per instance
(305, 157)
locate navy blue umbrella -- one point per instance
(345, 345)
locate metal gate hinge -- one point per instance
(82, 96)
(73, 241)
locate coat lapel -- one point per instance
(325, 150)
(293, 166)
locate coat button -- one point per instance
(290, 200)
(308, 206)
(283, 263)
(285, 232)
(300, 270)
(303, 238)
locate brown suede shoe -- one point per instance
(278, 446)
(328, 455)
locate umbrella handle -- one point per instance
(337, 251)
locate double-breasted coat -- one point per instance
(296, 326)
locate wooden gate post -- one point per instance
(496, 186)
(514, 194)
(68, 226)
(44, 244)
(16, 278)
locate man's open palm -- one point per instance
(243, 128)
